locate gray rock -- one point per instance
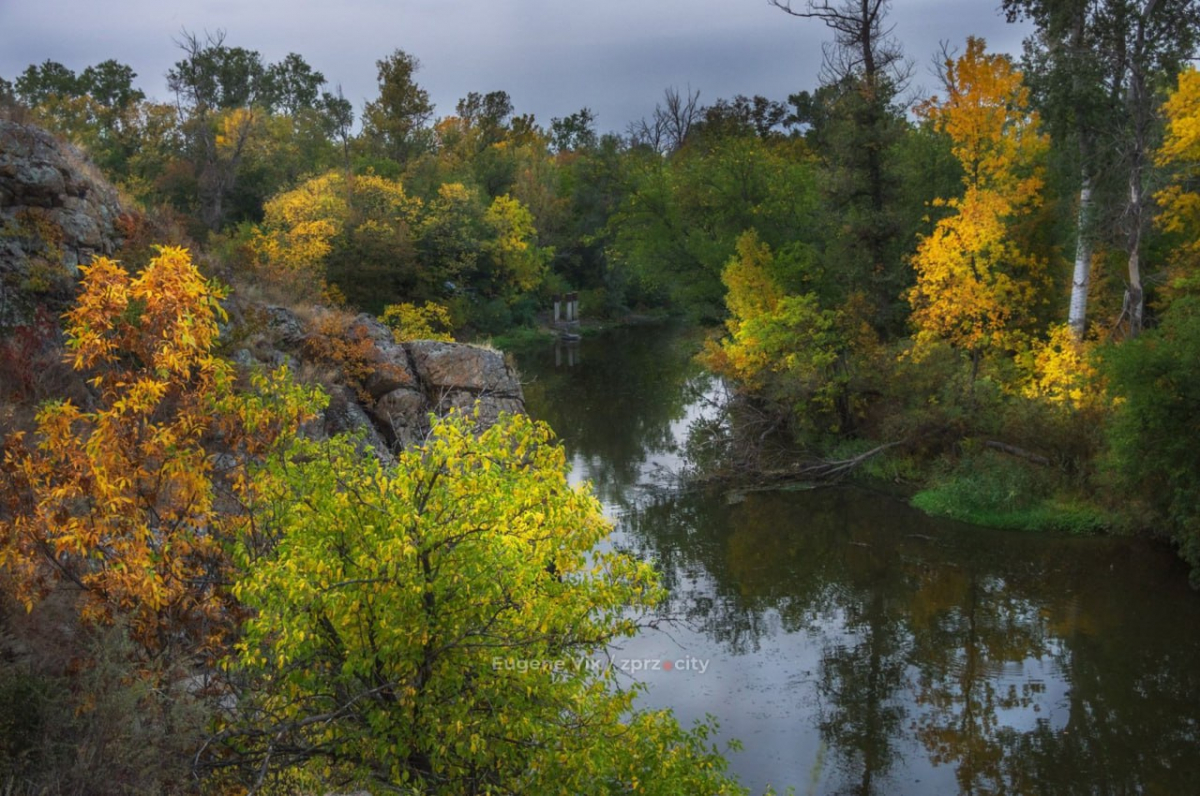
(284, 324)
(408, 382)
(56, 211)
(393, 371)
(344, 415)
(403, 415)
(244, 358)
(444, 367)
(489, 407)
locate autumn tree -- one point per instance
(440, 626)
(786, 347)
(975, 283)
(380, 245)
(128, 500)
(355, 231)
(1180, 152)
(410, 322)
(517, 263)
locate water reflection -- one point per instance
(859, 647)
(621, 403)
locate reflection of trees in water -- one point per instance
(615, 407)
(925, 634)
(681, 535)
(971, 627)
(861, 683)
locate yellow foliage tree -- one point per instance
(337, 227)
(751, 295)
(129, 501)
(299, 225)
(1061, 371)
(410, 322)
(513, 249)
(430, 627)
(1181, 150)
(975, 283)
(785, 346)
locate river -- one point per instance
(854, 645)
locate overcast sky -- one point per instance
(552, 56)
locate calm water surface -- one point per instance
(856, 646)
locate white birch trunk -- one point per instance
(1077, 317)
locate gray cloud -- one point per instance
(553, 57)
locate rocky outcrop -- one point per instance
(56, 213)
(394, 387)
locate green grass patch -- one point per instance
(998, 492)
(521, 336)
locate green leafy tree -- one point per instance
(680, 220)
(744, 116)
(291, 85)
(41, 82)
(574, 132)
(450, 230)
(428, 627)
(855, 120)
(1069, 73)
(216, 87)
(96, 109)
(395, 125)
(337, 114)
(213, 76)
(490, 113)
(1153, 434)
(110, 83)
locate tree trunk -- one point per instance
(1139, 114)
(1077, 318)
(1077, 314)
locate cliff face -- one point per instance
(56, 213)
